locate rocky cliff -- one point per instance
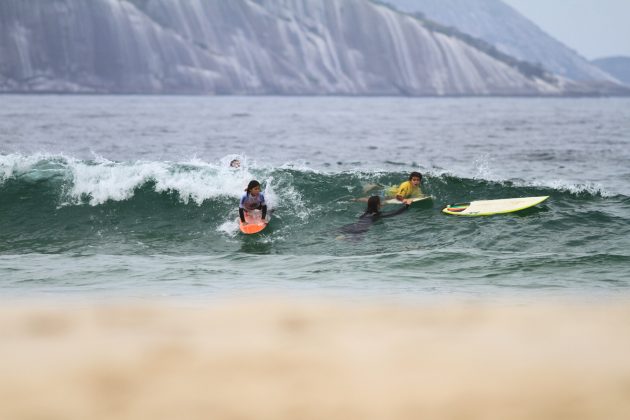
(509, 31)
(347, 47)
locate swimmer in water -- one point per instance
(372, 214)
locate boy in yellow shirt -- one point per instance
(406, 190)
(409, 188)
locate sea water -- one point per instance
(133, 196)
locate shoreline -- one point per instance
(281, 359)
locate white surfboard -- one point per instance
(490, 207)
(413, 200)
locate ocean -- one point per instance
(133, 196)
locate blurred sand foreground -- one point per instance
(251, 360)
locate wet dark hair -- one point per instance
(372, 204)
(415, 175)
(252, 184)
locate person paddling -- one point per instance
(372, 214)
(253, 199)
(410, 188)
(407, 189)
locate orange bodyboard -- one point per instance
(254, 223)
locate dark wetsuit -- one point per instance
(367, 220)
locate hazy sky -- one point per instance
(594, 28)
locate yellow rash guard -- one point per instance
(406, 190)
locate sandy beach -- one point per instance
(236, 359)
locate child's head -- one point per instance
(253, 187)
(415, 178)
(373, 204)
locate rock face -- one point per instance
(347, 47)
(509, 31)
(617, 66)
(95, 46)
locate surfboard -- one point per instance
(254, 221)
(413, 200)
(490, 207)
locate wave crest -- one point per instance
(97, 181)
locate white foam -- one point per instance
(574, 188)
(100, 180)
(483, 169)
(229, 227)
(104, 181)
(16, 165)
(194, 181)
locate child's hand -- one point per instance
(407, 201)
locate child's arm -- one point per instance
(263, 207)
(241, 213)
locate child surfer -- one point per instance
(252, 200)
(406, 190)
(410, 188)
